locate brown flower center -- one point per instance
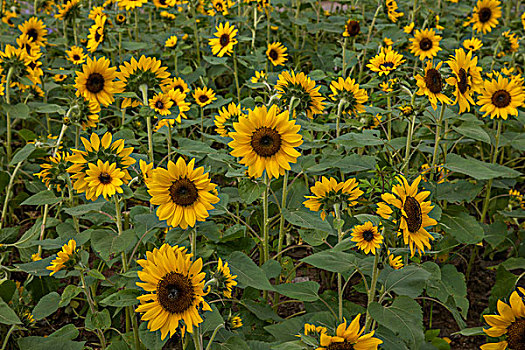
(266, 142)
(33, 34)
(414, 218)
(484, 14)
(368, 235)
(501, 99)
(104, 178)
(387, 65)
(433, 81)
(95, 83)
(203, 98)
(76, 57)
(273, 54)
(516, 335)
(98, 36)
(179, 87)
(340, 346)
(353, 28)
(175, 293)
(159, 104)
(425, 44)
(224, 40)
(462, 81)
(183, 192)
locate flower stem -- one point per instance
(437, 138)
(8, 193)
(43, 227)
(372, 290)
(92, 308)
(144, 89)
(339, 226)
(8, 120)
(197, 339)
(236, 76)
(11, 329)
(193, 243)
(266, 228)
(281, 222)
(208, 347)
(196, 34)
(343, 64)
(389, 122)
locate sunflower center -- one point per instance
(224, 40)
(175, 293)
(98, 36)
(425, 44)
(266, 142)
(159, 105)
(353, 28)
(387, 65)
(76, 57)
(162, 2)
(433, 81)
(179, 87)
(33, 34)
(95, 83)
(484, 14)
(273, 54)
(340, 346)
(463, 81)
(516, 335)
(203, 98)
(501, 99)
(414, 218)
(368, 235)
(104, 178)
(183, 192)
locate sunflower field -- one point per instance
(262, 174)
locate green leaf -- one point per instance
(211, 320)
(333, 261)
(22, 154)
(477, 169)
(306, 219)
(98, 320)
(46, 306)
(7, 315)
(313, 237)
(7, 289)
(505, 282)
(41, 198)
(134, 46)
(404, 317)
(353, 140)
(248, 274)
(122, 298)
(250, 191)
(261, 310)
(408, 281)
(68, 294)
(458, 191)
(469, 332)
(151, 340)
(96, 274)
(108, 244)
(18, 111)
(49, 108)
(473, 131)
(84, 208)
(514, 263)
(303, 291)
(233, 343)
(462, 226)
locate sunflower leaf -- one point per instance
(248, 274)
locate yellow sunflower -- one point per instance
(354, 97)
(367, 237)
(68, 10)
(171, 42)
(96, 33)
(35, 29)
(161, 104)
(184, 194)
(259, 76)
(226, 117)
(409, 28)
(313, 329)
(328, 192)
(224, 279)
(131, 4)
(395, 262)
(352, 28)
(95, 12)
(276, 53)
(485, 15)
(175, 287)
(204, 96)
(97, 82)
(146, 170)
(103, 179)
(120, 19)
(266, 140)
(235, 322)
(386, 61)
(300, 88)
(179, 100)
(392, 7)
(501, 98)
(51, 173)
(32, 50)
(224, 41)
(8, 18)
(414, 213)
(509, 323)
(76, 55)
(350, 337)
(473, 44)
(510, 44)
(425, 43)
(467, 78)
(431, 85)
(176, 84)
(63, 257)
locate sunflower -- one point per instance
(395, 262)
(204, 96)
(175, 286)
(501, 98)
(510, 322)
(473, 44)
(266, 140)
(425, 43)
(146, 169)
(224, 279)
(276, 53)
(35, 29)
(76, 55)
(467, 78)
(69, 10)
(259, 76)
(352, 28)
(367, 237)
(96, 33)
(392, 7)
(329, 192)
(409, 28)
(224, 41)
(388, 41)
(184, 194)
(59, 77)
(120, 19)
(161, 4)
(64, 257)
(97, 82)
(87, 114)
(161, 104)
(35, 257)
(485, 15)
(432, 85)
(350, 337)
(353, 96)
(8, 18)
(32, 50)
(414, 213)
(16, 59)
(235, 322)
(176, 84)
(227, 116)
(179, 100)
(386, 61)
(313, 329)
(510, 44)
(131, 4)
(51, 173)
(171, 42)
(300, 87)
(103, 179)
(147, 71)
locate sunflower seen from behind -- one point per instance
(276, 53)
(224, 41)
(97, 81)
(432, 85)
(485, 15)
(348, 92)
(52, 172)
(224, 279)
(266, 141)
(501, 97)
(184, 194)
(467, 79)
(174, 283)
(226, 117)
(367, 237)
(299, 87)
(349, 337)
(65, 257)
(425, 44)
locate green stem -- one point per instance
(372, 290)
(202, 123)
(169, 141)
(8, 120)
(283, 206)
(370, 29)
(75, 30)
(409, 140)
(11, 329)
(197, 339)
(59, 140)
(437, 138)
(8, 193)
(92, 308)
(208, 347)
(136, 25)
(343, 73)
(196, 34)
(266, 228)
(236, 76)
(43, 228)
(389, 122)
(144, 89)
(339, 226)
(193, 237)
